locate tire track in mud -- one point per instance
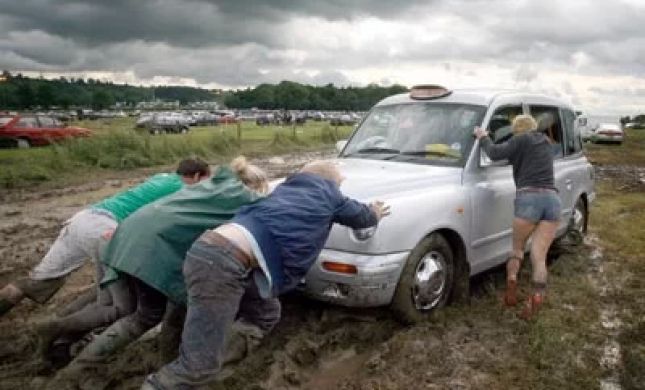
(611, 354)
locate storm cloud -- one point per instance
(573, 48)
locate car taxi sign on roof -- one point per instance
(429, 91)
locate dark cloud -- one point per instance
(244, 42)
(182, 22)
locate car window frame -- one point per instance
(574, 133)
(484, 160)
(557, 109)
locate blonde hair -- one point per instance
(523, 123)
(324, 169)
(251, 175)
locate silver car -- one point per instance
(452, 207)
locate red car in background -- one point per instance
(28, 130)
(227, 119)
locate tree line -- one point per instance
(295, 96)
(18, 92)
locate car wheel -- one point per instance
(184, 130)
(426, 280)
(22, 143)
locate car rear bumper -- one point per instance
(372, 285)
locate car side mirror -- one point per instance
(340, 145)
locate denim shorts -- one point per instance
(538, 206)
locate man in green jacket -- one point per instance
(84, 233)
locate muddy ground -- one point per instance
(316, 346)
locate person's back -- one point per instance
(290, 226)
(152, 242)
(532, 160)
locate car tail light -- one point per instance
(340, 268)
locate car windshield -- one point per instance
(424, 133)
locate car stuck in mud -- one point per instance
(451, 205)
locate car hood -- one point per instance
(370, 179)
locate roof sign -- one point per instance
(429, 91)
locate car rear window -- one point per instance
(5, 120)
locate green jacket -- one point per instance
(152, 242)
(126, 202)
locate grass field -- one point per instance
(117, 146)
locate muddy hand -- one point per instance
(380, 208)
(479, 133)
(107, 235)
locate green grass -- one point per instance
(618, 220)
(115, 145)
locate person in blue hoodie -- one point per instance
(273, 243)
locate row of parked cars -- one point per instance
(180, 121)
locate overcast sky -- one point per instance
(591, 53)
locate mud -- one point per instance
(315, 346)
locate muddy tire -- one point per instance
(426, 280)
(579, 217)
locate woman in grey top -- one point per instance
(537, 204)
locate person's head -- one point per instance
(523, 123)
(193, 170)
(324, 169)
(251, 175)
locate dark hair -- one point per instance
(191, 166)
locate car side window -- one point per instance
(46, 121)
(27, 122)
(573, 141)
(499, 130)
(550, 123)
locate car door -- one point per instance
(492, 195)
(550, 122)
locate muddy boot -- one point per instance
(10, 295)
(5, 306)
(533, 304)
(47, 332)
(242, 339)
(510, 295)
(115, 337)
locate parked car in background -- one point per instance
(607, 133)
(342, 120)
(267, 119)
(164, 122)
(451, 206)
(36, 130)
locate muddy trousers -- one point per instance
(216, 282)
(150, 308)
